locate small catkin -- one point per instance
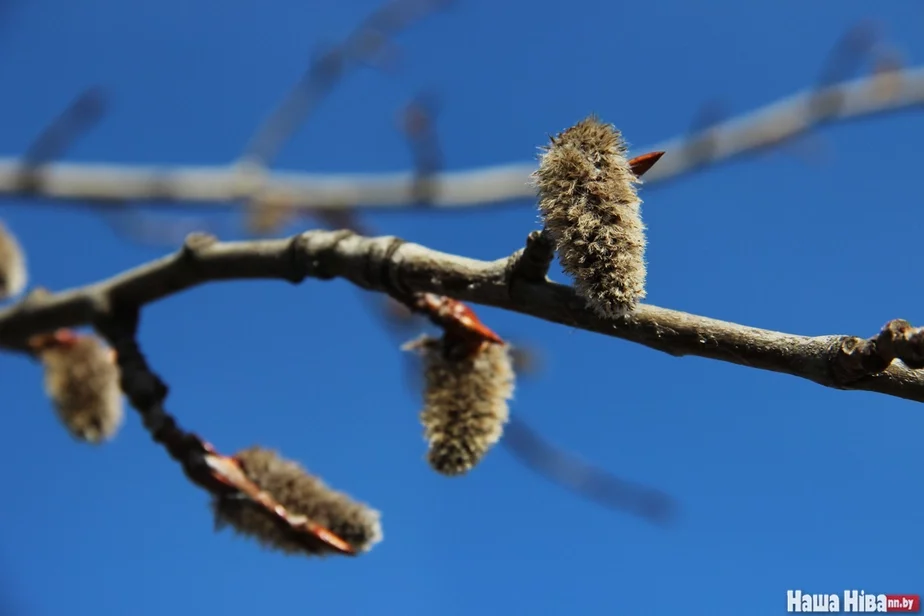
(13, 274)
(465, 402)
(589, 204)
(302, 494)
(82, 380)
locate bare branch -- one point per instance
(390, 265)
(221, 186)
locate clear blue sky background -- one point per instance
(783, 484)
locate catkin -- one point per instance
(302, 494)
(589, 204)
(82, 380)
(465, 402)
(13, 274)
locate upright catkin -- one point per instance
(13, 273)
(301, 494)
(465, 402)
(590, 208)
(82, 380)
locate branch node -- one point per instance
(196, 243)
(532, 263)
(384, 271)
(298, 247)
(35, 297)
(856, 358)
(312, 254)
(898, 339)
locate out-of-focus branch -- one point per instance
(574, 474)
(417, 122)
(223, 185)
(81, 115)
(369, 44)
(390, 265)
(844, 60)
(363, 45)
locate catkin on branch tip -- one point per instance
(590, 208)
(301, 494)
(465, 401)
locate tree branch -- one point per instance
(390, 265)
(223, 185)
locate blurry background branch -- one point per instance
(370, 43)
(882, 92)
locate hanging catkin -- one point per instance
(465, 402)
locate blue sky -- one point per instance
(783, 484)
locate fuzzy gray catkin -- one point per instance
(465, 402)
(589, 204)
(300, 493)
(82, 380)
(13, 274)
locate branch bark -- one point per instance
(113, 184)
(390, 265)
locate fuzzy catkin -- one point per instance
(465, 402)
(589, 204)
(82, 381)
(300, 493)
(13, 273)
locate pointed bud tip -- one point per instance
(640, 165)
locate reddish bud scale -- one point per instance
(455, 316)
(640, 165)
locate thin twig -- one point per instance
(593, 483)
(390, 265)
(220, 186)
(325, 72)
(81, 115)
